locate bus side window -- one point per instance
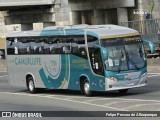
(78, 46)
(64, 46)
(52, 50)
(60, 46)
(16, 46)
(46, 49)
(10, 46)
(41, 50)
(53, 42)
(42, 45)
(34, 43)
(46, 45)
(66, 49)
(23, 46)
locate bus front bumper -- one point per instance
(111, 84)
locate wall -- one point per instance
(10, 3)
(77, 5)
(2, 43)
(154, 65)
(143, 8)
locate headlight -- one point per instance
(113, 79)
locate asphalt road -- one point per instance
(137, 99)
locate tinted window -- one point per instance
(28, 45)
(78, 46)
(47, 45)
(12, 46)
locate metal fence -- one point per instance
(144, 26)
(149, 29)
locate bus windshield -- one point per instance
(124, 54)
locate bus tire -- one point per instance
(124, 91)
(86, 88)
(31, 86)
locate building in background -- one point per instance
(36, 14)
(21, 15)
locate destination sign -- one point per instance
(121, 41)
(132, 40)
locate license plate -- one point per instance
(130, 84)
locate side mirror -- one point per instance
(104, 52)
(151, 45)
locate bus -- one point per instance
(79, 57)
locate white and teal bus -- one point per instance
(78, 57)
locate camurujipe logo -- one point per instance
(141, 12)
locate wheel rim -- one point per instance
(86, 88)
(31, 85)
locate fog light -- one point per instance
(110, 86)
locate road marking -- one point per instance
(137, 100)
(117, 102)
(74, 97)
(3, 71)
(154, 75)
(140, 105)
(42, 96)
(84, 102)
(92, 100)
(4, 76)
(67, 97)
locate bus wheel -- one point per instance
(124, 91)
(31, 85)
(86, 88)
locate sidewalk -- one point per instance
(154, 65)
(3, 65)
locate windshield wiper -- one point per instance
(120, 63)
(140, 51)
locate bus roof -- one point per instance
(100, 31)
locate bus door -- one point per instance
(95, 56)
